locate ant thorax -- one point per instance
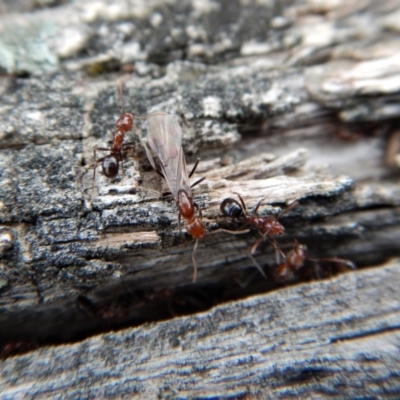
(125, 122)
(118, 139)
(268, 225)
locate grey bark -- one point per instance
(266, 93)
(335, 338)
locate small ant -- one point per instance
(293, 262)
(111, 162)
(296, 259)
(266, 226)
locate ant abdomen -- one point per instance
(110, 166)
(231, 208)
(196, 229)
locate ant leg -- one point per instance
(100, 159)
(85, 304)
(198, 210)
(256, 244)
(277, 249)
(99, 149)
(194, 261)
(132, 143)
(120, 160)
(161, 174)
(259, 241)
(94, 170)
(347, 263)
(128, 145)
(179, 224)
(150, 115)
(246, 283)
(242, 202)
(277, 253)
(194, 167)
(121, 96)
(292, 205)
(227, 231)
(257, 206)
(257, 265)
(198, 181)
(93, 180)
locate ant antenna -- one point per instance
(121, 96)
(290, 206)
(194, 261)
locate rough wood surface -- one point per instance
(337, 338)
(295, 100)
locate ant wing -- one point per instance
(165, 139)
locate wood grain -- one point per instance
(332, 338)
(282, 101)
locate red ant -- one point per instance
(296, 259)
(111, 162)
(165, 139)
(293, 262)
(266, 226)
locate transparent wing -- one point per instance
(165, 139)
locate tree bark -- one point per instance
(282, 101)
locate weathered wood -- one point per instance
(281, 101)
(336, 338)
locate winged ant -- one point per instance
(165, 139)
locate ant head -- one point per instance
(124, 122)
(110, 166)
(283, 272)
(196, 229)
(298, 255)
(231, 208)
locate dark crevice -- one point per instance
(367, 334)
(134, 302)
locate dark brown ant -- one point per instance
(296, 259)
(268, 226)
